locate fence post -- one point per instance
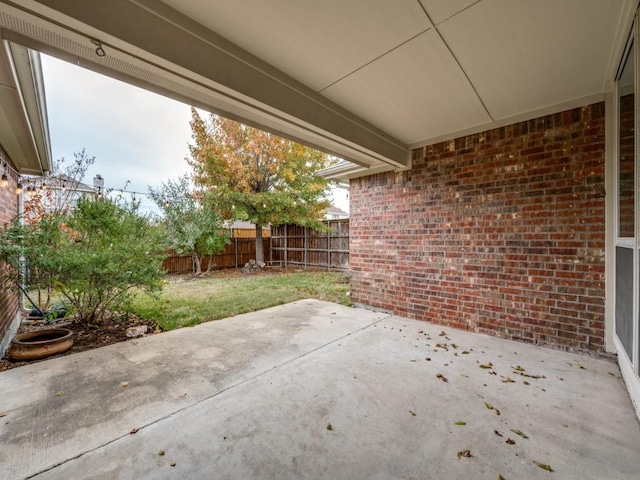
(286, 238)
(306, 247)
(329, 246)
(235, 249)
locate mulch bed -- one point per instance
(108, 332)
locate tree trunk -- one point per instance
(259, 251)
(197, 264)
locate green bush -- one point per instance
(94, 257)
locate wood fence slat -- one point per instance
(296, 245)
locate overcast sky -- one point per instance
(135, 135)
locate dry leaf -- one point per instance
(443, 333)
(58, 393)
(329, 426)
(544, 466)
(518, 432)
(510, 442)
(518, 368)
(413, 414)
(487, 365)
(134, 430)
(173, 463)
(465, 352)
(464, 453)
(461, 423)
(500, 477)
(4, 414)
(161, 453)
(488, 405)
(442, 377)
(497, 412)
(497, 433)
(428, 359)
(508, 380)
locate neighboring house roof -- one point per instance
(335, 211)
(24, 129)
(62, 180)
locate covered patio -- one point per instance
(317, 390)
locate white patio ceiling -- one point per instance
(364, 79)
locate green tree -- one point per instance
(96, 256)
(253, 175)
(193, 228)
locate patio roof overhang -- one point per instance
(24, 131)
(366, 81)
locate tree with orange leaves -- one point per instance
(256, 176)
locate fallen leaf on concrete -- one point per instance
(420, 331)
(464, 453)
(58, 393)
(465, 352)
(544, 466)
(464, 375)
(461, 423)
(454, 345)
(329, 426)
(524, 382)
(442, 377)
(508, 380)
(518, 368)
(413, 414)
(580, 366)
(428, 359)
(510, 442)
(173, 463)
(612, 374)
(134, 430)
(4, 414)
(518, 432)
(497, 412)
(493, 372)
(488, 405)
(486, 365)
(442, 345)
(161, 453)
(414, 360)
(497, 433)
(500, 477)
(125, 384)
(443, 333)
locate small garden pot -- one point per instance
(40, 344)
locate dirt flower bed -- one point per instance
(110, 331)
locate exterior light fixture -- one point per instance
(99, 48)
(4, 180)
(19, 188)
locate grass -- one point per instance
(202, 300)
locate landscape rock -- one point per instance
(135, 332)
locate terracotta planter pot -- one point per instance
(40, 344)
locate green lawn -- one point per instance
(182, 304)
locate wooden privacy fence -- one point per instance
(234, 255)
(303, 246)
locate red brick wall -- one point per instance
(500, 233)
(8, 209)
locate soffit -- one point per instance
(384, 75)
(23, 129)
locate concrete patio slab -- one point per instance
(316, 390)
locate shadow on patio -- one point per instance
(316, 390)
